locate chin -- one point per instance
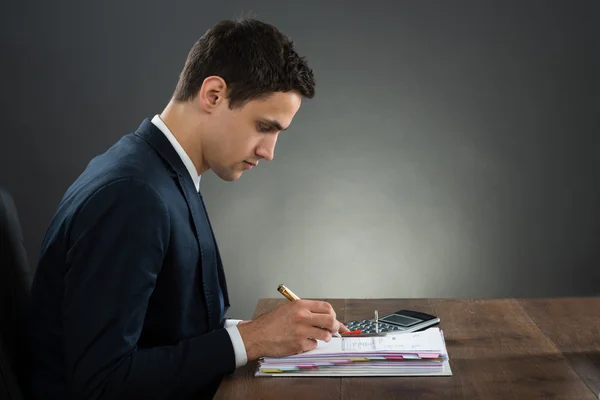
(228, 175)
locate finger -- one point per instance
(319, 307)
(309, 344)
(319, 333)
(343, 327)
(324, 321)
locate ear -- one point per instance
(212, 93)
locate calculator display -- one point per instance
(400, 320)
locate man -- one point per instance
(130, 295)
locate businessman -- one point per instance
(129, 297)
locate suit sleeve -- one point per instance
(118, 241)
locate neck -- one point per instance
(185, 125)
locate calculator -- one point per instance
(401, 321)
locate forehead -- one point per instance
(278, 106)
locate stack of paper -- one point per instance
(400, 354)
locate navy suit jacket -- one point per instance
(123, 304)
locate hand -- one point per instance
(343, 328)
(290, 328)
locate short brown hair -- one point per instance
(253, 57)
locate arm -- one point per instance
(119, 239)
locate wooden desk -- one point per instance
(498, 349)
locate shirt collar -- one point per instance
(184, 157)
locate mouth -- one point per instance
(249, 165)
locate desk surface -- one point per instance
(498, 349)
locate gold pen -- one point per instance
(291, 297)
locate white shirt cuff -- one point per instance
(239, 349)
(231, 322)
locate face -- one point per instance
(238, 139)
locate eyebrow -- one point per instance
(274, 123)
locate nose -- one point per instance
(266, 148)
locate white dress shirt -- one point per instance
(241, 358)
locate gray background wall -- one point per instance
(452, 149)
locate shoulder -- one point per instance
(125, 204)
(131, 156)
(130, 169)
(125, 193)
(130, 189)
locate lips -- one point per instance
(248, 165)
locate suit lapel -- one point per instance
(220, 271)
(205, 240)
(149, 132)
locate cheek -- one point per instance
(244, 140)
(238, 146)
(229, 137)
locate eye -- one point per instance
(264, 128)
